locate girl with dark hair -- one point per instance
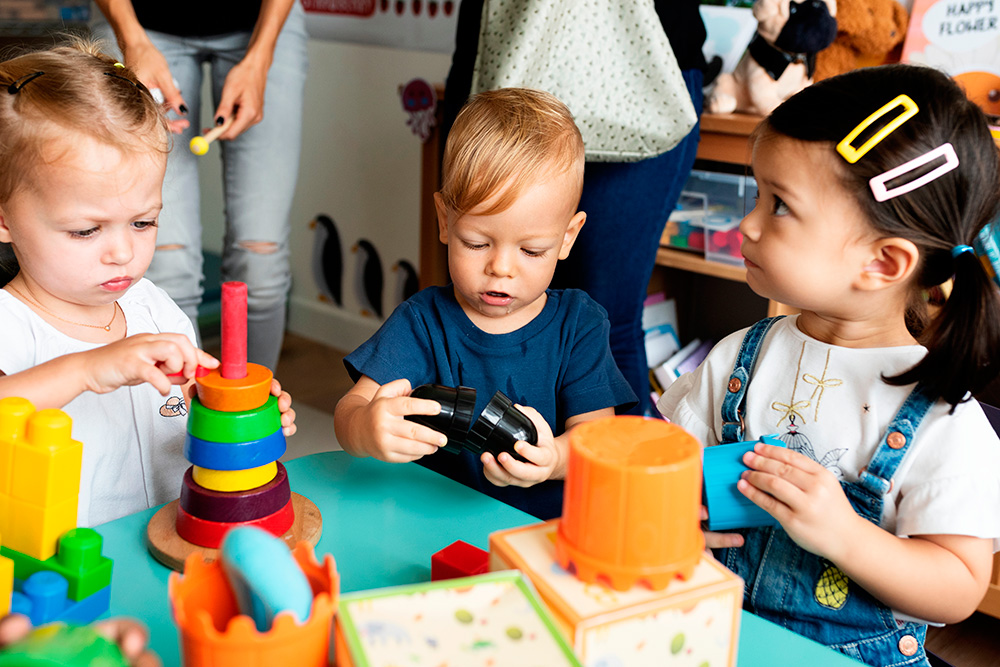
(873, 186)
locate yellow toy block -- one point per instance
(46, 461)
(234, 480)
(35, 530)
(695, 620)
(39, 477)
(6, 584)
(14, 413)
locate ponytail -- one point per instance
(963, 339)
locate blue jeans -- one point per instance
(260, 169)
(627, 205)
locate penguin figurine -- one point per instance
(327, 260)
(407, 282)
(368, 278)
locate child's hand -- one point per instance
(130, 636)
(378, 428)
(132, 639)
(143, 358)
(543, 459)
(805, 498)
(719, 540)
(285, 407)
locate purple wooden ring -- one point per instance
(235, 506)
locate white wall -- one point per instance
(360, 166)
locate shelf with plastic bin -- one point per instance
(708, 213)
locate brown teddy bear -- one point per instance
(867, 31)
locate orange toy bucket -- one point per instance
(213, 633)
(631, 510)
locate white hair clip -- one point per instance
(877, 183)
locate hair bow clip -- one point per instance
(852, 154)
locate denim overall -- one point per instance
(801, 591)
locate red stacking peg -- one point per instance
(234, 330)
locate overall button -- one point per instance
(908, 645)
(735, 384)
(896, 440)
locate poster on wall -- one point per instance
(961, 38)
(422, 25)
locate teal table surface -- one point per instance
(382, 522)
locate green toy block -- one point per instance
(233, 427)
(60, 645)
(78, 558)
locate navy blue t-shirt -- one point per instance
(559, 364)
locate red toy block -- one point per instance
(459, 559)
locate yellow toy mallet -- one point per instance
(199, 145)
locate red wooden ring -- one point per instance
(235, 506)
(210, 533)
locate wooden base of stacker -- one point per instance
(172, 550)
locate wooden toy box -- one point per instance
(691, 623)
(492, 619)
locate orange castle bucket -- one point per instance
(632, 503)
(213, 633)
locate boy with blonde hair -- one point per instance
(507, 210)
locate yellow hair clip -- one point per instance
(119, 65)
(852, 154)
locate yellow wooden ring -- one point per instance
(235, 395)
(234, 480)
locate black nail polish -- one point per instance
(220, 120)
(183, 109)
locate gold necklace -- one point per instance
(32, 299)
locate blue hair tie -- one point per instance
(959, 249)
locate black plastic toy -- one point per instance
(455, 418)
(499, 427)
(496, 430)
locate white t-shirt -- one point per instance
(133, 438)
(830, 403)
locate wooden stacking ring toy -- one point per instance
(234, 455)
(215, 426)
(210, 533)
(235, 506)
(234, 480)
(235, 394)
(632, 503)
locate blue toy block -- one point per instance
(42, 597)
(727, 507)
(234, 455)
(264, 576)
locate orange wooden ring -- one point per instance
(210, 533)
(235, 395)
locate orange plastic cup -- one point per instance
(632, 503)
(214, 634)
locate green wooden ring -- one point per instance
(234, 427)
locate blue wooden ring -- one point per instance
(234, 455)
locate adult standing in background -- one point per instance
(250, 46)
(627, 203)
